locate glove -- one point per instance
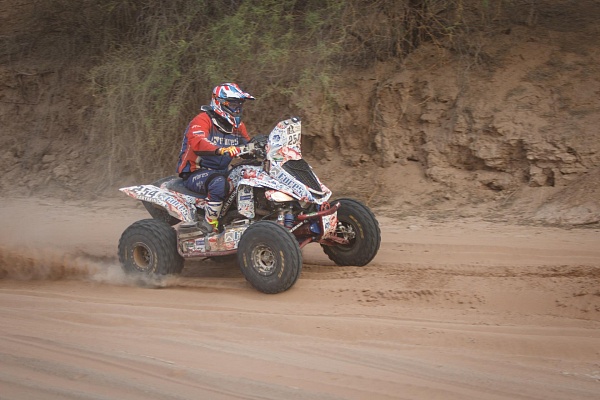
(232, 151)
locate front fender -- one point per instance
(178, 205)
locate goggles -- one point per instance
(233, 105)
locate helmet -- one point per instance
(227, 100)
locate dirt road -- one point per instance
(461, 309)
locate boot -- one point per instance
(212, 209)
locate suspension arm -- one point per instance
(319, 214)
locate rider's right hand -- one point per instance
(232, 151)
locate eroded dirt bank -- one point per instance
(455, 309)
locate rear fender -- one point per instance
(178, 205)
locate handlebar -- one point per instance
(246, 149)
(252, 150)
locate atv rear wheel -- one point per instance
(149, 247)
(356, 223)
(269, 257)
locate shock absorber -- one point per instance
(285, 217)
(288, 220)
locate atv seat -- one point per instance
(175, 184)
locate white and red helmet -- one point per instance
(227, 101)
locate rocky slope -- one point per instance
(514, 125)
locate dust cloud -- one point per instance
(30, 264)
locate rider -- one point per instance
(210, 142)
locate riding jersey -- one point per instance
(201, 141)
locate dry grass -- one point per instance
(154, 63)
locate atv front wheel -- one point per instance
(269, 257)
(357, 224)
(149, 247)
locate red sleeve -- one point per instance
(244, 133)
(197, 134)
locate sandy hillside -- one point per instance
(449, 309)
(501, 120)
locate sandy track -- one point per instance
(462, 309)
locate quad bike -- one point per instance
(275, 207)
